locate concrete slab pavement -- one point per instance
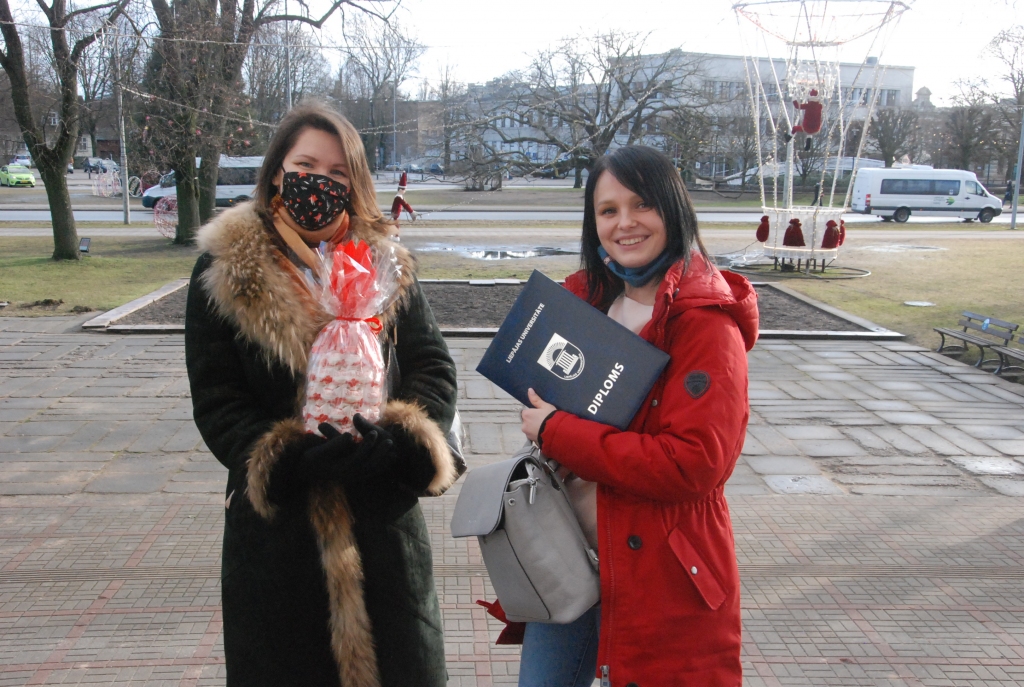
(876, 509)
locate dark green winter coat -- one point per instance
(335, 588)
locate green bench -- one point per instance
(977, 330)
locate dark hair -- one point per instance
(316, 115)
(651, 175)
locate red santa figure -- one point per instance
(762, 229)
(399, 203)
(811, 122)
(842, 232)
(831, 238)
(794, 237)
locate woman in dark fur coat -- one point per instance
(327, 577)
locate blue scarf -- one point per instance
(636, 276)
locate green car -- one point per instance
(16, 175)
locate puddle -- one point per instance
(900, 248)
(488, 253)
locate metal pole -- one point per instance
(788, 189)
(1016, 180)
(394, 127)
(287, 63)
(120, 126)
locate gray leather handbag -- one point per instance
(539, 561)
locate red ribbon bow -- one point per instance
(376, 326)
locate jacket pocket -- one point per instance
(701, 574)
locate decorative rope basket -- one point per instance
(812, 220)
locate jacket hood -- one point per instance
(699, 286)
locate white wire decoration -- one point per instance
(802, 108)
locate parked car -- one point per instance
(22, 160)
(392, 167)
(17, 175)
(411, 167)
(435, 168)
(896, 194)
(236, 182)
(549, 172)
(99, 166)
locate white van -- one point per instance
(236, 182)
(896, 194)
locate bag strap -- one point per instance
(550, 466)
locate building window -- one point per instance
(52, 119)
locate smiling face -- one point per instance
(316, 152)
(632, 232)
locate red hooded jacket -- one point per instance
(670, 592)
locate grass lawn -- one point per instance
(984, 276)
(117, 271)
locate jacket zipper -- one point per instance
(605, 682)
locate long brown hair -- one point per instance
(320, 116)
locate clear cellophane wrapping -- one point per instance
(346, 373)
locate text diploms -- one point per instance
(606, 388)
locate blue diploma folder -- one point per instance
(573, 355)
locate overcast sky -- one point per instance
(943, 39)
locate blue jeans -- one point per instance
(561, 655)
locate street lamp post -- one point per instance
(120, 130)
(287, 63)
(1016, 177)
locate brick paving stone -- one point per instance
(1011, 447)
(825, 448)
(899, 624)
(782, 465)
(990, 466)
(801, 484)
(979, 431)
(1009, 487)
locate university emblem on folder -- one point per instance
(562, 358)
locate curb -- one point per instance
(875, 332)
(104, 321)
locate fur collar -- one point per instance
(249, 287)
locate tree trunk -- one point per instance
(208, 171)
(65, 236)
(188, 199)
(578, 181)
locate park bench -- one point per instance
(978, 330)
(1008, 353)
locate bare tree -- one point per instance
(586, 93)
(1008, 48)
(52, 152)
(450, 95)
(687, 138)
(968, 130)
(892, 132)
(196, 68)
(380, 58)
(265, 77)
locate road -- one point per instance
(138, 216)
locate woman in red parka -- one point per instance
(670, 591)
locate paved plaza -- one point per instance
(877, 509)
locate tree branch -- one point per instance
(85, 10)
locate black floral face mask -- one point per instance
(313, 200)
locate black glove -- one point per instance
(409, 463)
(336, 458)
